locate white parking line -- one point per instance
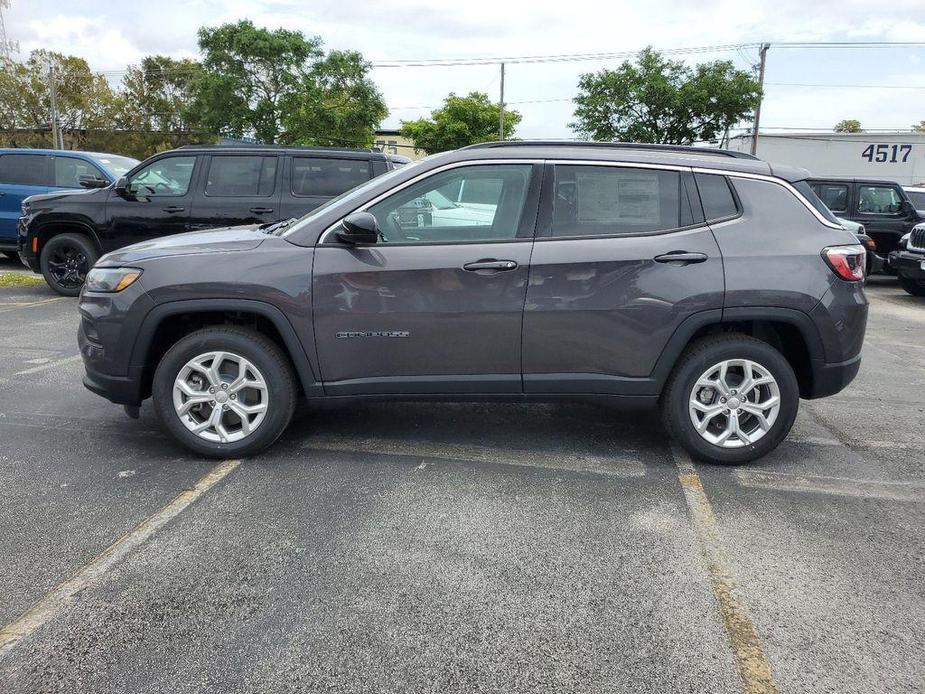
(49, 365)
(610, 465)
(61, 597)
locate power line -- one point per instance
(848, 86)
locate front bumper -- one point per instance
(24, 246)
(908, 264)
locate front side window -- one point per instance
(879, 200)
(438, 209)
(71, 172)
(833, 195)
(236, 176)
(165, 177)
(327, 177)
(24, 169)
(606, 200)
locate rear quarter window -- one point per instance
(327, 176)
(716, 196)
(25, 170)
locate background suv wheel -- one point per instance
(65, 261)
(225, 391)
(914, 287)
(730, 399)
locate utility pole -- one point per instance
(501, 126)
(762, 53)
(53, 92)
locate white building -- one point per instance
(888, 156)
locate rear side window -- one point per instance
(833, 195)
(241, 176)
(24, 170)
(69, 170)
(327, 176)
(716, 197)
(608, 200)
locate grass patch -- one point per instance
(19, 279)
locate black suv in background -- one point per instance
(883, 207)
(188, 189)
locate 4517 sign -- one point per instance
(882, 154)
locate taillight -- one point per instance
(846, 261)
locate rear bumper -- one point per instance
(829, 379)
(908, 264)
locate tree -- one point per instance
(461, 121)
(84, 100)
(919, 127)
(848, 126)
(277, 86)
(158, 95)
(663, 101)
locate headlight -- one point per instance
(111, 279)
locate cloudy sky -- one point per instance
(805, 86)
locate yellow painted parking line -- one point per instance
(750, 659)
(625, 465)
(16, 305)
(62, 597)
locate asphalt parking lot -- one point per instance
(459, 548)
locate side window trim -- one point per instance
(544, 225)
(528, 218)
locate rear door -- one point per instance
(436, 306)
(315, 179)
(622, 258)
(238, 189)
(21, 175)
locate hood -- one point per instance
(78, 195)
(239, 238)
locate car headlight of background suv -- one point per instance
(111, 279)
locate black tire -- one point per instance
(914, 287)
(65, 261)
(263, 353)
(694, 362)
(12, 255)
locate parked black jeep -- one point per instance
(192, 188)
(909, 261)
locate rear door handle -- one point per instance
(489, 264)
(681, 257)
(261, 210)
(174, 208)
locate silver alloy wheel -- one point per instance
(220, 396)
(734, 403)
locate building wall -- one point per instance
(883, 156)
(391, 142)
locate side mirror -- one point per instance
(92, 182)
(359, 227)
(121, 186)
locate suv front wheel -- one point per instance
(730, 399)
(225, 392)
(65, 261)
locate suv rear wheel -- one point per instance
(730, 399)
(225, 391)
(914, 287)
(65, 261)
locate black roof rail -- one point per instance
(249, 145)
(687, 149)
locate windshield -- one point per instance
(343, 198)
(117, 165)
(917, 197)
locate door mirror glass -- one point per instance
(120, 186)
(359, 227)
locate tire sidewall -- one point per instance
(280, 395)
(87, 248)
(753, 350)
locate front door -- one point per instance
(436, 306)
(619, 262)
(156, 202)
(238, 189)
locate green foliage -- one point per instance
(463, 120)
(919, 127)
(848, 126)
(663, 101)
(278, 86)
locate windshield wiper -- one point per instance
(276, 227)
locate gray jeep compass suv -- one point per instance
(716, 286)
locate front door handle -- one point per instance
(490, 264)
(261, 210)
(681, 257)
(174, 208)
